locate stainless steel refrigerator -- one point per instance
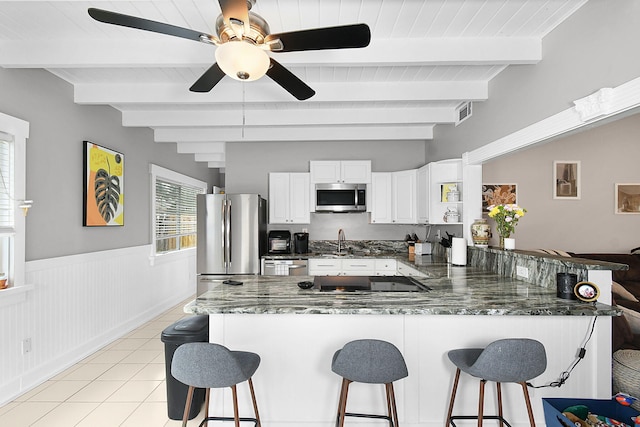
(232, 233)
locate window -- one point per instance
(13, 206)
(7, 205)
(174, 210)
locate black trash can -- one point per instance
(190, 329)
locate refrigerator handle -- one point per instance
(223, 240)
(228, 236)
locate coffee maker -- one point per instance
(300, 243)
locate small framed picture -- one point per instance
(628, 198)
(498, 194)
(566, 179)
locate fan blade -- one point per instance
(289, 81)
(208, 80)
(147, 25)
(342, 37)
(236, 16)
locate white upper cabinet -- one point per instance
(289, 196)
(381, 203)
(422, 193)
(404, 196)
(393, 197)
(342, 171)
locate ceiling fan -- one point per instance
(243, 40)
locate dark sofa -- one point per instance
(626, 328)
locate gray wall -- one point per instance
(54, 165)
(596, 47)
(608, 155)
(249, 164)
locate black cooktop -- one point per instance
(368, 283)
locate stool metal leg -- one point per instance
(236, 416)
(207, 396)
(255, 404)
(481, 417)
(187, 406)
(388, 393)
(481, 403)
(499, 391)
(453, 396)
(391, 404)
(392, 411)
(525, 390)
(342, 403)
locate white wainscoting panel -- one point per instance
(77, 304)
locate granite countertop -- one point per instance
(455, 291)
(487, 253)
(329, 255)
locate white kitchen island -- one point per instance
(297, 331)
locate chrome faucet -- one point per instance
(341, 239)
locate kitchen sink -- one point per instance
(335, 254)
(369, 283)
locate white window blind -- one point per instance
(7, 220)
(175, 216)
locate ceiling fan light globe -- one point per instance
(242, 60)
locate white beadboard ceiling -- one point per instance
(426, 57)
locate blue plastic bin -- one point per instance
(553, 408)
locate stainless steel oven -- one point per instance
(285, 267)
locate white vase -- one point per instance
(509, 243)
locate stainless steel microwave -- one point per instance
(341, 197)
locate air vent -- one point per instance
(463, 112)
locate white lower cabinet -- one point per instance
(356, 267)
(386, 267)
(325, 267)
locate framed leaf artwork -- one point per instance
(103, 196)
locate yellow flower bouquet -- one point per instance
(506, 217)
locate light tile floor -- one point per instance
(122, 384)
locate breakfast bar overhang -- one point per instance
(297, 331)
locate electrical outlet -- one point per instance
(522, 271)
(26, 345)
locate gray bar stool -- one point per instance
(373, 362)
(514, 360)
(206, 365)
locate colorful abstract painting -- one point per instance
(103, 186)
(498, 194)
